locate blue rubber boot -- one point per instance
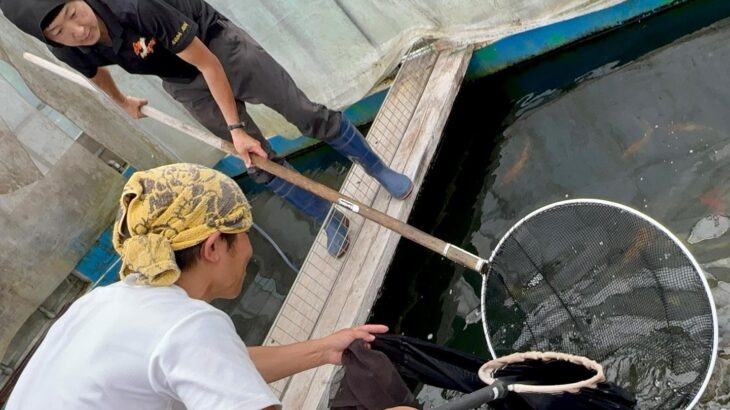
(350, 143)
(335, 224)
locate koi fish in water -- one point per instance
(516, 168)
(691, 127)
(714, 200)
(640, 242)
(638, 144)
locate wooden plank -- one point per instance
(427, 127)
(384, 136)
(418, 146)
(361, 276)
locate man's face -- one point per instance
(75, 25)
(238, 256)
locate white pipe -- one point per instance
(62, 71)
(150, 112)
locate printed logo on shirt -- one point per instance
(144, 48)
(183, 28)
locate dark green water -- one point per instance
(637, 116)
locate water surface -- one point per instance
(637, 116)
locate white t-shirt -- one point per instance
(133, 347)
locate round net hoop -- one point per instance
(601, 280)
(487, 373)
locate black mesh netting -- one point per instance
(604, 282)
(377, 377)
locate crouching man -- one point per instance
(152, 340)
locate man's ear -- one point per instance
(211, 247)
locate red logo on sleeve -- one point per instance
(144, 48)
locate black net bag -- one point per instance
(545, 381)
(600, 280)
(553, 381)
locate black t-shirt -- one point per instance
(145, 35)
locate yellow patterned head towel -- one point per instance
(170, 208)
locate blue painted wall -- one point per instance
(523, 46)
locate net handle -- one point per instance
(448, 250)
(486, 372)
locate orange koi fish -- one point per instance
(515, 169)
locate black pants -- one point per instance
(256, 78)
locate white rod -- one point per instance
(147, 110)
(62, 71)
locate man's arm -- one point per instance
(211, 68)
(277, 362)
(103, 79)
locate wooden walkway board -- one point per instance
(331, 294)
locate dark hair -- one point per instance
(187, 257)
(50, 16)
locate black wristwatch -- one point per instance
(240, 125)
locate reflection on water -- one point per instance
(653, 134)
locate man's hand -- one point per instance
(277, 362)
(246, 145)
(335, 344)
(133, 106)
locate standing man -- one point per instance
(151, 341)
(210, 66)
